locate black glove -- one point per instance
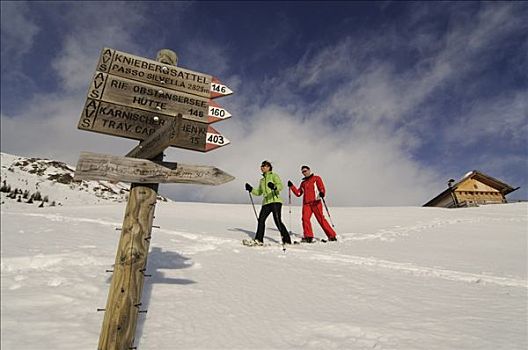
(321, 194)
(248, 187)
(290, 183)
(272, 186)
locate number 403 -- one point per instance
(215, 139)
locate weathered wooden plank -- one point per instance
(113, 119)
(94, 166)
(163, 75)
(156, 143)
(135, 94)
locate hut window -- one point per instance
(475, 186)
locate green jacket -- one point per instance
(263, 189)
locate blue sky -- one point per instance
(385, 100)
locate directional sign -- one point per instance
(153, 72)
(112, 119)
(155, 143)
(93, 166)
(131, 93)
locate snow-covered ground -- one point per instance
(398, 278)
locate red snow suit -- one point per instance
(310, 187)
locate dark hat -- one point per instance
(267, 163)
(305, 167)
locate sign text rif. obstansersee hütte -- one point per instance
(126, 92)
(153, 72)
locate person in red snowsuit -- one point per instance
(313, 189)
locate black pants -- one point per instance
(274, 208)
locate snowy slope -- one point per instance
(398, 278)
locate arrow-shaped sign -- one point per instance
(165, 76)
(94, 166)
(155, 143)
(112, 119)
(132, 93)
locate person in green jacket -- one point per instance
(269, 187)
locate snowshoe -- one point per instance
(305, 240)
(252, 243)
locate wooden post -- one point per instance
(124, 297)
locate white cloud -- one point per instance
(48, 128)
(358, 169)
(92, 27)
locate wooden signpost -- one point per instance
(161, 105)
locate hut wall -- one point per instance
(472, 192)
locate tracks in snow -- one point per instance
(325, 255)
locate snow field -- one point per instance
(398, 278)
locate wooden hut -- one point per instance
(473, 189)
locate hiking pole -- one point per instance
(328, 212)
(253, 204)
(289, 205)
